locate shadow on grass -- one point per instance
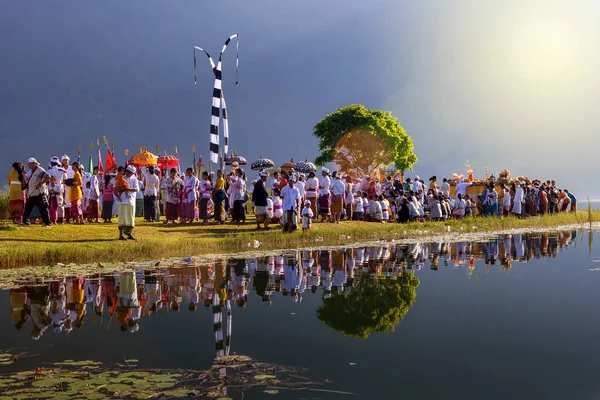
(56, 240)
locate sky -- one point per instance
(506, 83)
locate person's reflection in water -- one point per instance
(338, 263)
(39, 309)
(326, 275)
(128, 309)
(58, 304)
(238, 281)
(176, 288)
(208, 287)
(75, 303)
(18, 307)
(262, 279)
(153, 294)
(191, 280)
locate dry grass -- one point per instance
(35, 245)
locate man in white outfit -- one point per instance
(518, 200)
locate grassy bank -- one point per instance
(36, 245)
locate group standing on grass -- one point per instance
(65, 193)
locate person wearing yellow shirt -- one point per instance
(16, 200)
(75, 195)
(219, 197)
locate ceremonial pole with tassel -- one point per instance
(90, 161)
(218, 105)
(179, 164)
(79, 153)
(126, 154)
(194, 164)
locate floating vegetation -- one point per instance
(89, 379)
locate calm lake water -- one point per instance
(516, 317)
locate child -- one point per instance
(270, 213)
(120, 183)
(377, 212)
(357, 211)
(54, 191)
(365, 204)
(385, 208)
(277, 207)
(393, 209)
(307, 215)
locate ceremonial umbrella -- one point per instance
(235, 158)
(143, 159)
(305, 167)
(261, 164)
(167, 162)
(288, 165)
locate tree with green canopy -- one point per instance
(373, 305)
(360, 140)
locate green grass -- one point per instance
(3, 206)
(35, 245)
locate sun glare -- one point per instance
(543, 49)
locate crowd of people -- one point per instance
(65, 193)
(66, 303)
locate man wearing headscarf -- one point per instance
(65, 161)
(324, 185)
(127, 205)
(259, 198)
(37, 193)
(60, 174)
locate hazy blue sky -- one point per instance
(510, 83)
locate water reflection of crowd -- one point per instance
(66, 303)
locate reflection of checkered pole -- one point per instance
(228, 329)
(218, 325)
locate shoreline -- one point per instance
(15, 277)
(38, 248)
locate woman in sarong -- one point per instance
(16, 183)
(239, 193)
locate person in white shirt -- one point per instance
(519, 200)
(349, 201)
(445, 188)
(93, 208)
(337, 201)
(312, 194)
(461, 188)
(127, 205)
(151, 184)
(300, 186)
(357, 205)
(459, 206)
(324, 185)
(307, 215)
(60, 174)
(188, 207)
(291, 205)
(273, 182)
(65, 162)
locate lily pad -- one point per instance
(5, 382)
(163, 377)
(271, 391)
(263, 377)
(50, 382)
(6, 362)
(117, 387)
(184, 393)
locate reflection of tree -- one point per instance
(373, 305)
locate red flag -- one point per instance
(111, 164)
